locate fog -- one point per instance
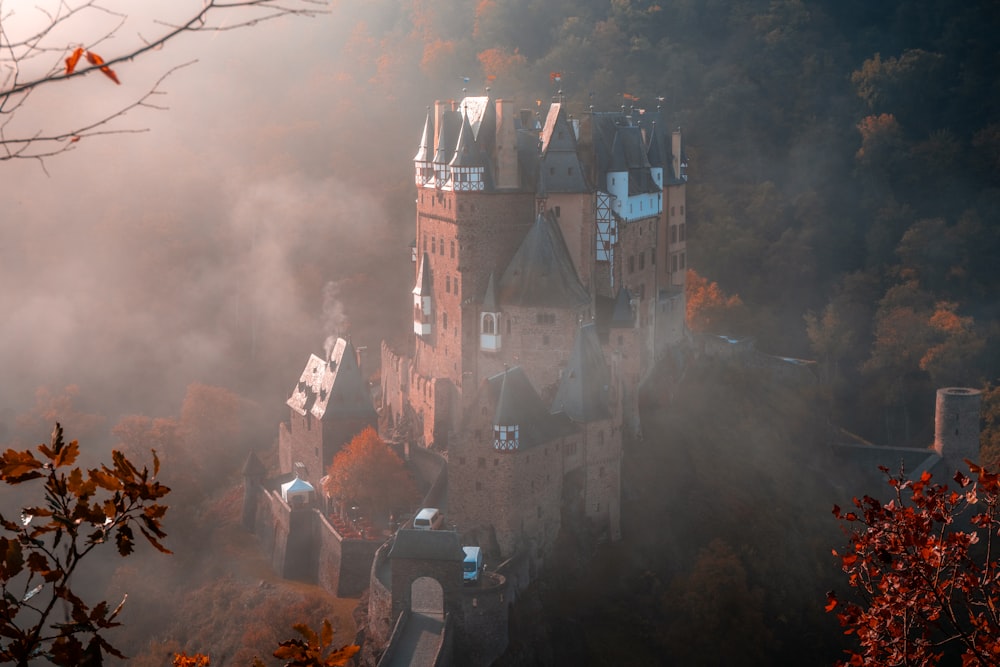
(213, 246)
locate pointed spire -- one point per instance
(583, 390)
(253, 467)
(506, 402)
(490, 298)
(424, 151)
(655, 152)
(466, 153)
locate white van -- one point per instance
(472, 565)
(429, 518)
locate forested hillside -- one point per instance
(844, 158)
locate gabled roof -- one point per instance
(466, 150)
(423, 286)
(516, 403)
(559, 169)
(424, 153)
(541, 272)
(655, 153)
(427, 545)
(332, 388)
(451, 124)
(583, 391)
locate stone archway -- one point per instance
(427, 597)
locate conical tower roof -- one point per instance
(541, 272)
(583, 391)
(490, 298)
(424, 153)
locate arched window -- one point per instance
(489, 324)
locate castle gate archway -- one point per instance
(427, 597)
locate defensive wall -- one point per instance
(303, 545)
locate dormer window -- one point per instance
(505, 438)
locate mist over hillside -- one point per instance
(843, 163)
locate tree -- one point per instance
(366, 471)
(34, 54)
(709, 309)
(41, 552)
(925, 567)
(717, 601)
(313, 650)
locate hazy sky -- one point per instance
(141, 262)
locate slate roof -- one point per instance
(466, 151)
(332, 388)
(620, 144)
(490, 298)
(655, 152)
(427, 545)
(516, 403)
(451, 125)
(559, 169)
(583, 391)
(424, 151)
(541, 273)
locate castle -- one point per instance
(549, 264)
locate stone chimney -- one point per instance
(675, 150)
(506, 175)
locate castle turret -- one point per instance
(956, 425)
(506, 430)
(423, 161)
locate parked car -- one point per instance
(429, 518)
(472, 566)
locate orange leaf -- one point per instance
(98, 61)
(73, 59)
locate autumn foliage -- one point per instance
(925, 568)
(39, 553)
(709, 308)
(315, 649)
(366, 471)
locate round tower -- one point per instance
(956, 424)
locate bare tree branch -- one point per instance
(35, 58)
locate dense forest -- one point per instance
(844, 166)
